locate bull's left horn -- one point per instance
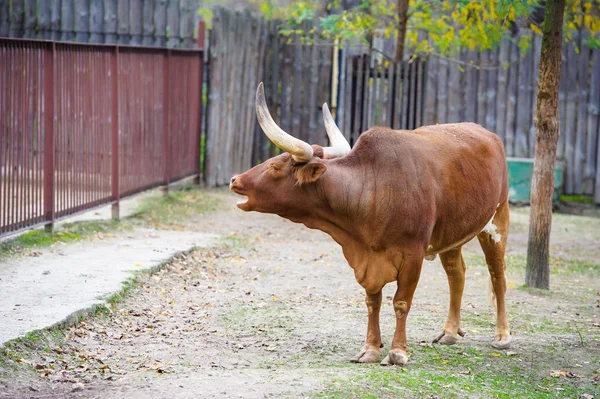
(300, 151)
(339, 144)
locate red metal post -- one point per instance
(49, 136)
(114, 117)
(167, 94)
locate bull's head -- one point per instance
(278, 184)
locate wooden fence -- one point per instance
(500, 95)
(496, 89)
(375, 92)
(245, 50)
(160, 23)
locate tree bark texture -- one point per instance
(547, 131)
(402, 9)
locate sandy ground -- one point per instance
(273, 310)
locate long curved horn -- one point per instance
(339, 144)
(300, 151)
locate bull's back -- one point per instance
(451, 176)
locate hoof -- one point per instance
(395, 359)
(366, 356)
(502, 341)
(447, 338)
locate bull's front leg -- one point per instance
(371, 350)
(408, 277)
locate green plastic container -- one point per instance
(520, 173)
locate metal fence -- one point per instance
(82, 125)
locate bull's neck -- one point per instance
(335, 209)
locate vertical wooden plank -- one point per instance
(286, 85)
(454, 98)
(562, 107)
(414, 74)
(160, 23)
(135, 22)
(313, 106)
(186, 31)
(367, 95)
(471, 80)
(4, 13)
(359, 98)
(571, 118)
(511, 104)
(30, 19)
(443, 88)
(297, 88)
(323, 94)
(148, 23)
(123, 22)
(524, 108)
(492, 90)
(275, 76)
(173, 20)
(390, 94)
(431, 91)
(110, 21)
(55, 15)
(340, 112)
(96, 21)
(503, 67)
(580, 140)
(67, 20)
(214, 88)
(349, 99)
(16, 18)
(482, 87)
(374, 90)
(82, 20)
(305, 83)
(592, 167)
(43, 19)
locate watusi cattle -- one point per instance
(398, 197)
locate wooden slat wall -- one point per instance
(499, 92)
(148, 22)
(296, 74)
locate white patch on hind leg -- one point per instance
(490, 228)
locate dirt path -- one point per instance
(274, 311)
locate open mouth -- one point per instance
(242, 201)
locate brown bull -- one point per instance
(396, 198)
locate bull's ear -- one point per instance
(310, 173)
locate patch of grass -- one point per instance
(179, 206)
(69, 232)
(578, 198)
(126, 288)
(259, 320)
(516, 264)
(456, 372)
(234, 242)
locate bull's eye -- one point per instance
(274, 167)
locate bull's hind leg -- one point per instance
(493, 242)
(454, 265)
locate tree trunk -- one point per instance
(402, 8)
(547, 132)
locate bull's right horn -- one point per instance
(300, 151)
(339, 144)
